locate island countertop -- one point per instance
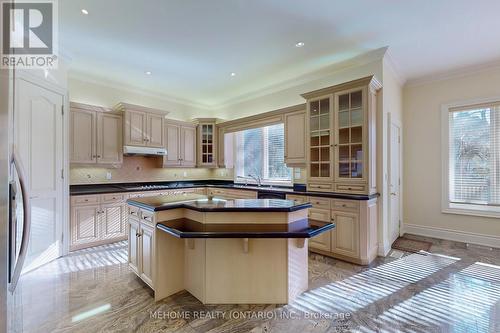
(203, 203)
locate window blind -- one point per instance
(474, 154)
(260, 152)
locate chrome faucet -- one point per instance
(257, 179)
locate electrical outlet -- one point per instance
(185, 174)
(109, 176)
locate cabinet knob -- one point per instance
(98, 156)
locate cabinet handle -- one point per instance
(344, 205)
(132, 213)
(332, 220)
(147, 218)
(98, 156)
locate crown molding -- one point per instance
(134, 107)
(79, 76)
(454, 73)
(360, 60)
(394, 67)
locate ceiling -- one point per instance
(191, 46)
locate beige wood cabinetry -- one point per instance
(95, 135)
(225, 146)
(143, 126)
(141, 254)
(97, 219)
(341, 143)
(207, 143)
(224, 193)
(180, 144)
(295, 138)
(354, 237)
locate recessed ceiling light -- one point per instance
(84, 11)
(233, 74)
(148, 72)
(299, 44)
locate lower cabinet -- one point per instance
(354, 237)
(141, 248)
(95, 223)
(224, 193)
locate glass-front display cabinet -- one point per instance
(341, 145)
(207, 143)
(320, 119)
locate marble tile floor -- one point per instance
(453, 288)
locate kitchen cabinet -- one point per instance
(207, 143)
(180, 144)
(345, 238)
(143, 126)
(295, 139)
(223, 193)
(225, 146)
(97, 219)
(141, 237)
(341, 143)
(95, 135)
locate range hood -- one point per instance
(144, 151)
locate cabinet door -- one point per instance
(155, 127)
(146, 241)
(321, 242)
(345, 237)
(84, 225)
(133, 245)
(172, 136)
(135, 128)
(109, 138)
(320, 139)
(188, 146)
(207, 145)
(113, 221)
(295, 138)
(350, 133)
(82, 136)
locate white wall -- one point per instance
(95, 93)
(422, 157)
(291, 96)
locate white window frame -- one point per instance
(447, 206)
(249, 180)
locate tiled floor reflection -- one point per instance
(454, 288)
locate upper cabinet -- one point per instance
(143, 126)
(341, 144)
(295, 138)
(207, 143)
(180, 140)
(95, 135)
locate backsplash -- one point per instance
(149, 169)
(143, 169)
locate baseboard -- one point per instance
(453, 235)
(383, 250)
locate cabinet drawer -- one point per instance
(111, 198)
(147, 217)
(350, 188)
(85, 199)
(349, 205)
(319, 187)
(134, 211)
(317, 202)
(319, 214)
(297, 198)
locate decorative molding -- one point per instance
(369, 80)
(383, 250)
(452, 74)
(453, 235)
(88, 107)
(360, 60)
(394, 68)
(133, 89)
(133, 107)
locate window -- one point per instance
(260, 152)
(472, 163)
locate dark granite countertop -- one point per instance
(202, 203)
(298, 189)
(186, 228)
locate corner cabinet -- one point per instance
(295, 138)
(207, 143)
(95, 135)
(341, 143)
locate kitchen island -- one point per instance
(242, 251)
